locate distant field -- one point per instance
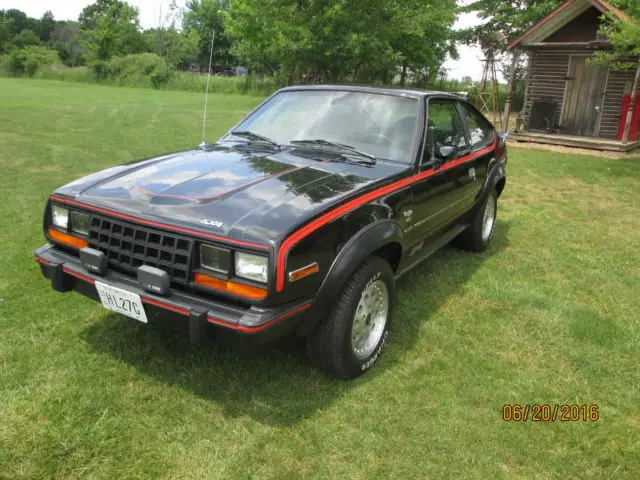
(549, 314)
(179, 81)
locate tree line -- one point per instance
(292, 41)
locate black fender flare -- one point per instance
(359, 247)
(495, 175)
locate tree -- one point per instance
(7, 32)
(46, 25)
(341, 40)
(269, 35)
(67, 40)
(23, 39)
(18, 19)
(17, 30)
(89, 16)
(199, 20)
(116, 32)
(177, 48)
(420, 24)
(509, 18)
(623, 35)
(29, 59)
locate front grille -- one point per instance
(128, 246)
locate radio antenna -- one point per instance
(206, 93)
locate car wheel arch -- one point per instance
(495, 180)
(383, 238)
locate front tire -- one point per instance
(477, 236)
(349, 341)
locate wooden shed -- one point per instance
(568, 100)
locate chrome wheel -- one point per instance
(488, 218)
(370, 319)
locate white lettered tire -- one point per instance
(349, 341)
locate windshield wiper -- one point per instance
(253, 136)
(352, 151)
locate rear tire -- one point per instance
(348, 342)
(477, 236)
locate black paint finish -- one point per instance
(262, 195)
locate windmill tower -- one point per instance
(487, 99)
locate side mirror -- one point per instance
(445, 152)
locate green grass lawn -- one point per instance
(549, 314)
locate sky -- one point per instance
(151, 11)
(469, 62)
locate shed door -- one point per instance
(583, 97)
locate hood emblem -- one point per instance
(211, 223)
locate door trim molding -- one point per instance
(430, 217)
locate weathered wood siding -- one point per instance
(547, 80)
(583, 97)
(583, 28)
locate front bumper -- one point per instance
(258, 325)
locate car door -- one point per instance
(438, 193)
(481, 137)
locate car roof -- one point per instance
(369, 89)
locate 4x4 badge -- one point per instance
(211, 223)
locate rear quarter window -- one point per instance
(480, 130)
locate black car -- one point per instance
(297, 222)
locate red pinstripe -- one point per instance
(78, 275)
(161, 225)
(187, 312)
(144, 299)
(305, 231)
(165, 305)
(42, 260)
(241, 328)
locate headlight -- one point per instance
(60, 216)
(252, 267)
(214, 258)
(80, 222)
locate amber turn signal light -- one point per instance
(254, 293)
(67, 239)
(303, 272)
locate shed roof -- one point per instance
(561, 16)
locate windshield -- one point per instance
(380, 125)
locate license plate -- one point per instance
(121, 301)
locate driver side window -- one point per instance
(445, 134)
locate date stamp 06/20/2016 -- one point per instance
(550, 413)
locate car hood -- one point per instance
(229, 190)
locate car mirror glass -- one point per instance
(445, 152)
